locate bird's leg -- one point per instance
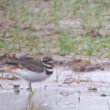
(78, 79)
(30, 87)
(45, 87)
(1, 86)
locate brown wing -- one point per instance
(33, 65)
(30, 64)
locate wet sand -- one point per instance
(72, 90)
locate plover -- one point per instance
(30, 69)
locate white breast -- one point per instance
(30, 75)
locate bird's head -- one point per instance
(48, 64)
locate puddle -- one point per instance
(48, 100)
(59, 99)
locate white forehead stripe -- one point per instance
(47, 65)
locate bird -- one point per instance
(31, 70)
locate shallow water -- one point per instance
(93, 93)
(60, 99)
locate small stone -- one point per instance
(16, 86)
(92, 89)
(17, 91)
(103, 95)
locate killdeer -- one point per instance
(30, 69)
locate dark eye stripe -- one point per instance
(49, 67)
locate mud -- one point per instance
(67, 89)
(64, 90)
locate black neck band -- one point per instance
(49, 72)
